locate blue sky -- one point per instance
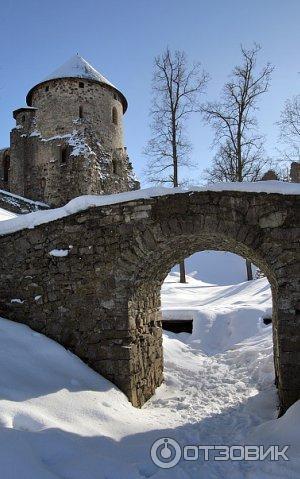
(121, 37)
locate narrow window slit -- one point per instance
(6, 168)
(64, 155)
(114, 115)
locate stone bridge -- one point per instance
(100, 295)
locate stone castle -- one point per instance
(101, 297)
(68, 140)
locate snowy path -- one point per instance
(198, 386)
(214, 399)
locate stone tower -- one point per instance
(68, 141)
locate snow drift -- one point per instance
(59, 419)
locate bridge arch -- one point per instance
(101, 297)
(166, 247)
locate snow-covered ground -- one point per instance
(222, 315)
(59, 419)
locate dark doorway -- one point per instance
(6, 168)
(178, 325)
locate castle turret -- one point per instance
(68, 141)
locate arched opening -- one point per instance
(6, 168)
(144, 306)
(215, 298)
(115, 115)
(217, 338)
(64, 155)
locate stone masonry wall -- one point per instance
(58, 102)
(102, 300)
(59, 152)
(295, 172)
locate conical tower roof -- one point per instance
(77, 67)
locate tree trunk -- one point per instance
(182, 278)
(249, 270)
(182, 272)
(174, 151)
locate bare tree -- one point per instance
(176, 88)
(290, 129)
(225, 164)
(240, 155)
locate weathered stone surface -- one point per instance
(295, 172)
(272, 220)
(102, 301)
(18, 204)
(67, 143)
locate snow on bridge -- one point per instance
(102, 300)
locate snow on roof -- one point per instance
(23, 199)
(81, 203)
(26, 107)
(77, 67)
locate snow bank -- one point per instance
(222, 315)
(272, 186)
(58, 418)
(284, 431)
(84, 202)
